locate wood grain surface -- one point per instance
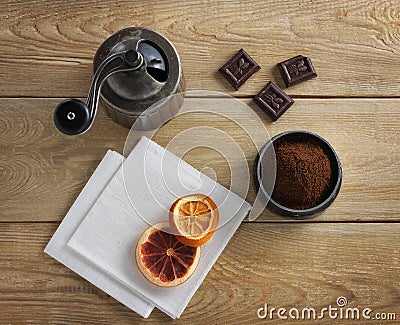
(350, 250)
(285, 265)
(48, 46)
(44, 171)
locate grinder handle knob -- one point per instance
(72, 116)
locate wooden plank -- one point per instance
(40, 166)
(284, 265)
(48, 46)
(43, 171)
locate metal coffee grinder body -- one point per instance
(136, 72)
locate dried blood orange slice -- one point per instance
(194, 219)
(164, 260)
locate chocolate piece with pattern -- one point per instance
(239, 68)
(296, 70)
(273, 100)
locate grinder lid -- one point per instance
(133, 92)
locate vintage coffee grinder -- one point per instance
(135, 72)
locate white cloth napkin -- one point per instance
(140, 194)
(57, 248)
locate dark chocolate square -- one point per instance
(296, 70)
(239, 68)
(273, 100)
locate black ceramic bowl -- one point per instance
(267, 154)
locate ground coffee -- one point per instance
(303, 174)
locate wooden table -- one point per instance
(351, 250)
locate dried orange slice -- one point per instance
(194, 219)
(164, 260)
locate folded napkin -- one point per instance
(57, 248)
(139, 195)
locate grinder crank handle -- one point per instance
(72, 116)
